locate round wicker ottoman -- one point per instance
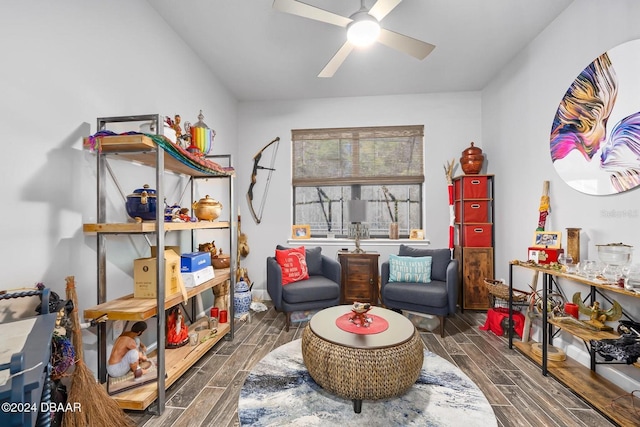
(362, 367)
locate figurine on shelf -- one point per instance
(184, 216)
(597, 315)
(128, 353)
(176, 127)
(177, 331)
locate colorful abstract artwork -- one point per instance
(595, 137)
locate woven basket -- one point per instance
(500, 290)
(362, 373)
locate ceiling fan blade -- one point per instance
(311, 12)
(337, 60)
(414, 47)
(382, 8)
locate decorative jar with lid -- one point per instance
(207, 209)
(201, 136)
(142, 203)
(241, 298)
(472, 160)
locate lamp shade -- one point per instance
(357, 210)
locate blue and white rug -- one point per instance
(280, 392)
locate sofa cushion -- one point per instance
(409, 269)
(400, 294)
(313, 257)
(439, 259)
(293, 264)
(316, 288)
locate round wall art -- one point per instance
(595, 138)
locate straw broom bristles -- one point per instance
(97, 408)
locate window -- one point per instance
(382, 165)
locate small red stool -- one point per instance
(495, 317)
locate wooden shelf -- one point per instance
(593, 388)
(177, 362)
(134, 309)
(142, 149)
(585, 333)
(600, 284)
(150, 226)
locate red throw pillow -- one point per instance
(293, 264)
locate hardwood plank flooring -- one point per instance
(207, 395)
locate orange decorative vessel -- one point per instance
(472, 160)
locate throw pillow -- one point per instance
(313, 257)
(409, 269)
(293, 264)
(439, 263)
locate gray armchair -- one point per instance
(438, 298)
(320, 290)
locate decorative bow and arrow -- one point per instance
(257, 216)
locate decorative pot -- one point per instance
(142, 203)
(207, 209)
(220, 261)
(472, 160)
(241, 298)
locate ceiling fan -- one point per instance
(363, 28)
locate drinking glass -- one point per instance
(590, 269)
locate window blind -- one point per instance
(348, 156)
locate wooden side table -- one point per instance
(359, 277)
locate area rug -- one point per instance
(280, 392)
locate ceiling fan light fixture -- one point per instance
(364, 30)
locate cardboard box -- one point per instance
(144, 277)
(544, 255)
(198, 277)
(194, 261)
(154, 250)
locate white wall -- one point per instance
(451, 121)
(64, 64)
(517, 112)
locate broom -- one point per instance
(97, 408)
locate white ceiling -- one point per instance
(262, 54)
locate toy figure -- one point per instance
(176, 127)
(177, 331)
(128, 353)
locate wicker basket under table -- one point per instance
(499, 294)
(362, 373)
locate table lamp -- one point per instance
(357, 215)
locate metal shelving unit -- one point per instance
(142, 149)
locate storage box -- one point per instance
(472, 211)
(144, 276)
(471, 187)
(198, 277)
(544, 255)
(195, 261)
(477, 235)
(154, 250)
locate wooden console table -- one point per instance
(585, 382)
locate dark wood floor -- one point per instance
(520, 396)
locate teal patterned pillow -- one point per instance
(409, 269)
